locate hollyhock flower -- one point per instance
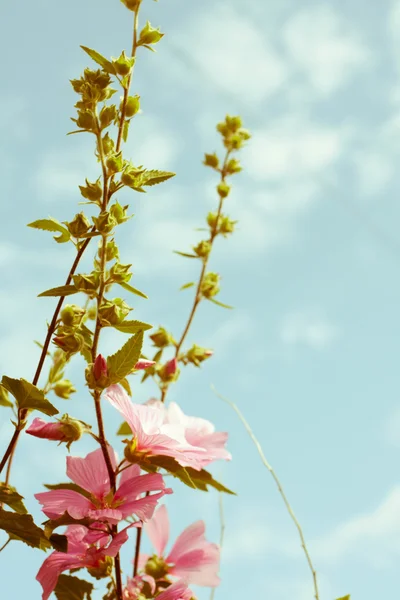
(91, 474)
(81, 553)
(135, 585)
(64, 430)
(191, 558)
(176, 591)
(100, 367)
(152, 435)
(144, 364)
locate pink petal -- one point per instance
(158, 530)
(100, 367)
(76, 535)
(48, 431)
(120, 400)
(91, 472)
(144, 507)
(128, 473)
(120, 539)
(56, 502)
(111, 515)
(176, 591)
(189, 539)
(144, 364)
(53, 566)
(199, 566)
(131, 488)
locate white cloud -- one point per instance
(374, 538)
(324, 49)
(309, 329)
(234, 54)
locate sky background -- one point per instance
(311, 351)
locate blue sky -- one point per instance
(310, 352)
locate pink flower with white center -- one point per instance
(135, 585)
(80, 554)
(200, 432)
(191, 558)
(152, 436)
(99, 502)
(176, 591)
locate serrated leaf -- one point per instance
(28, 396)
(124, 429)
(51, 224)
(125, 384)
(195, 479)
(219, 303)
(4, 399)
(73, 588)
(153, 177)
(10, 496)
(123, 362)
(22, 527)
(185, 286)
(59, 542)
(185, 254)
(68, 486)
(133, 290)
(132, 326)
(62, 290)
(100, 60)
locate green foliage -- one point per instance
(73, 588)
(133, 290)
(220, 303)
(185, 286)
(4, 398)
(22, 527)
(28, 396)
(124, 429)
(149, 35)
(185, 254)
(132, 326)
(123, 362)
(344, 597)
(100, 60)
(62, 290)
(10, 496)
(51, 224)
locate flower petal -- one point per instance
(56, 502)
(158, 530)
(53, 566)
(91, 472)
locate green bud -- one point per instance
(69, 342)
(132, 106)
(113, 312)
(119, 212)
(103, 569)
(132, 4)
(211, 160)
(108, 144)
(233, 123)
(196, 355)
(77, 85)
(161, 338)
(203, 248)
(212, 220)
(72, 429)
(115, 163)
(130, 175)
(98, 78)
(223, 189)
(63, 389)
(92, 191)
(149, 35)
(87, 283)
(105, 222)
(123, 64)
(233, 166)
(71, 315)
(226, 226)
(156, 567)
(210, 285)
(112, 251)
(86, 120)
(108, 114)
(79, 225)
(92, 313)
(222, 128)
(119, 273)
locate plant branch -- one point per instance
(279, 485)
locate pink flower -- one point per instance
(191, 558)
(201, 433)
(144, 364)
(90, 473)
(176, 591)
(49, 431)
(171, 366)
(134, 586)
(100, 367)
(81, 553)
(152, 435)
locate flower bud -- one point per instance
(119, 273)
(123, 64)
(149, 35)
(169, 372)
(130, 451)
(132, 106)
(203, 249)
(79, 225)
(233, 166)
(112, 251)
(210, 285)
(197, 355)
(113, 312)
(144, 364)
(119, 212)
(226, 226)
(63, 389)
(104, 568)
(115, 163)
(71, 343)
(132, 4)
(130, 175)
(92, 191)
(66, 430)
(108, 114)
(87, 283)
(105, 222)
(100, 367)
(71, 315)
(233, 123)
(212, 220)
(108, 144)
(223, 189)
(161, 338)
(86, 120)
(156, 567)
(211, 160)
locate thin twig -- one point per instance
(279, 485)
(4, 545)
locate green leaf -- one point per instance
(124, 429)
(154, 177)
(125, 130)
(73, 588)
(123, 362)
(219, 303)
(68, 486)
(187, 285)
(195, 479)
(4, 398)
(59, 542)
(133, 290)
(185, 254)
(344, 597)
(62, 290)
(100, 60)
(51, 224)
(125, 384)
(22, 527)
(28, 396)
(132, 326)
(10, 496)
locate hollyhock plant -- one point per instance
(82, 552)
(90, 473)
(191, 558)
